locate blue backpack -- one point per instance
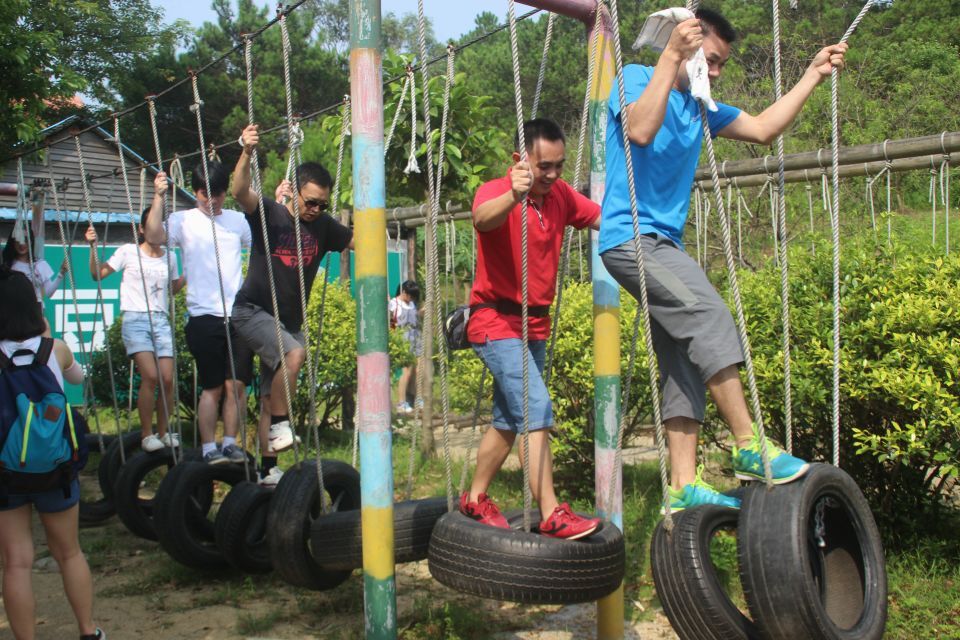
(42, 439)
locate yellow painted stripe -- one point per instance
(378, 542)
(610, 616)
(370, 232)
(606, 340)
(603, 69)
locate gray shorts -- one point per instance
(258, 329)
(693, 332)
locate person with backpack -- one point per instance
(146, 330)
(42, 449)
(17, 256)
(405, 317)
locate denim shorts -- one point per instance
(47, 501)
(136, 333)
(503, 358)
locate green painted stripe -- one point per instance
(365, 24)
(380, 598)
(372, 325)
(606, 406)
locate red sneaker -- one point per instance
(483, 510)
(564, 523)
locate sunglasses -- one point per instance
(322, 205)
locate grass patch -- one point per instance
(451, 620)
(249, 623)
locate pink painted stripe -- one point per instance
(373, 392)
(366, 78)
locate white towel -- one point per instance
(658, 27)
(699, 74)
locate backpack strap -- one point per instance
(43, 353)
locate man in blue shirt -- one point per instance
(694, 334)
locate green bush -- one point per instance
(900, 351)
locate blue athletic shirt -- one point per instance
(663, 170)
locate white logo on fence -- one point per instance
(74, 323)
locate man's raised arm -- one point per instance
(241, 191)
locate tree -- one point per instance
(55, 49)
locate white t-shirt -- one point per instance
(192, 232)
(155, 272)
(42, 278)
(10, 347)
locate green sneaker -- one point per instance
(698, 493)
(748, 463)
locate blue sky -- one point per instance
(450, 18)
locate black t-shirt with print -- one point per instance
(318, 237)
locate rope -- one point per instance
(475, 433)
(152, 112)
(888, 169)
(143, 277)
(197, 107)
(88, 200)
(835, 228)
(433, 188)
(412, 166)
(643, 313)
(543, 65)
(524, 262)
(396, 114)
(932, 196)
(945, 191)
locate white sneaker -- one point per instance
(151, 443)
(281, 436)
(270, 480)
(404, 407)
(170, 440)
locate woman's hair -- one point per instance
(10, 249)
(21, 316)
(410, 288)
(143, 224)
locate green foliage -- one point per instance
(900, 396)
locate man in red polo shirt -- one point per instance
(495, 327)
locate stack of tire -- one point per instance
(811, 565)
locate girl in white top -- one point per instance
(147, 331)
(16, 255)
(21, 326)
(405, 317)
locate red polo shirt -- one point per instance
(498, 275)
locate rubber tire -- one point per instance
(241, 528)
(136, 513)
(780, 562)
(111, 461)
(293, 510)
(336, 539)
(515, 566)
(180, 516)
(94, 512)
(686, 578)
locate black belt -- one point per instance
(511, 308)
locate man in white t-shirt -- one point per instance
(213, 267)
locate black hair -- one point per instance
(219, 179)
(539, 129)
(713, 22)
(313, 172)
(21, 316)
(411, 288)
(144, 215)
(10, 249)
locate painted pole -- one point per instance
(373, 365)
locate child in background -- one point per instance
(405, 316)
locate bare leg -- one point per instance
(404, 383)
(64, 542)
(146, 400)
(166, 379)
(727, 392)
(682, 441)
(16, 549)
(494, 448)
(541, 471)
(234, 407)
(263, 428)
(207, 410)
(278, 394)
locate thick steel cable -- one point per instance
(524, 273)
(257, 183)
(543, 65)
(784, 241)
(152, 113)
(835, 228)
(87, 381)
(197, 108)
(88, 200)
(143, 278)
(643, 313)
(577, 171)
(433, 282)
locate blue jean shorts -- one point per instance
(503, 358)
(47, 501)
(136, 333)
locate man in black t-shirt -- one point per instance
(253, 309)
